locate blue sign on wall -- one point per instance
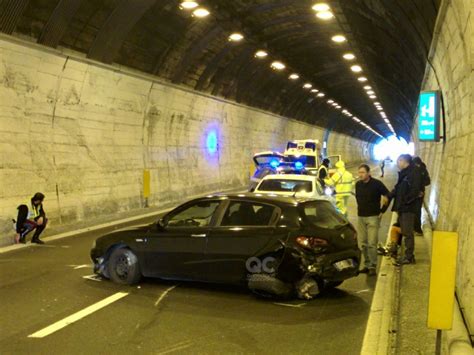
(428, 116)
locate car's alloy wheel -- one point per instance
(123, 266)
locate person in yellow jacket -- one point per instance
(343, 183)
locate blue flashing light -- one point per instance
(274, 163)
(299, 165)
(211, 142)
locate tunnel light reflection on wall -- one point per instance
(211, 142)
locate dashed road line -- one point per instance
(78, 315)
(176, 347)
(93, 277)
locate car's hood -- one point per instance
(122, 234)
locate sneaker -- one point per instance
(364, 270)
(382, 251)
(372, 271)
(37, 241)
(405, 261)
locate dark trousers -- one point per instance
(32, 225)
(382, 169)
(418, 228)
(407, 225)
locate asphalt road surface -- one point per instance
(50, 304)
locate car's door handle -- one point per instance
(198, 235)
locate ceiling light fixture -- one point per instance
(368, 87)
(314, 90)
(362, 79)
(201, 12)
(338, 38)
(370, 92)
(294, 76)
(373, 97)
(356, 68)
(325, 15)
(330, 101)
(349, 56)
(188, 5)
(307, 86)
(278, 65)
(236, 37)
(321, 94)
(321, 6)
(261, 54)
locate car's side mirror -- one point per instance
(161, 224)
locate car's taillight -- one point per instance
(311, 242)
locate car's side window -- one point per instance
(197, 215)
(240, 213)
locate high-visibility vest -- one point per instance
(342, 182)
(33, 211)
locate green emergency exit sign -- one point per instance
(428, 116)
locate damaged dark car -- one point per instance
(276, 246)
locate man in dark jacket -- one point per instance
(407, 193)
(323, 171)
(31, 216)
(425, 181)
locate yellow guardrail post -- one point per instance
(146, 186)
(442, 282)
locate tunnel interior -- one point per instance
(388, 39)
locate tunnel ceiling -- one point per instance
(389, 38)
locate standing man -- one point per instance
(407, 193)
(323, 171)
(425, 181)
(342, 180)
(31, 216)
(382, 167)
(371, 194)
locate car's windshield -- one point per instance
(322, 214)
(286, 185)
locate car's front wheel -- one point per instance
(123, 267)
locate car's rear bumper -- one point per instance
(325, 267)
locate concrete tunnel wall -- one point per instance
(450, 198)
(82, 133)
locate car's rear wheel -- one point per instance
(265, 285)
(123, 267)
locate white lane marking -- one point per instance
(78, 315)
(82, 266)
(176, 347)
(290, 305)
(163, 295)
(92, 277)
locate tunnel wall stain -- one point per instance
(89, 131)
(451, 194)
